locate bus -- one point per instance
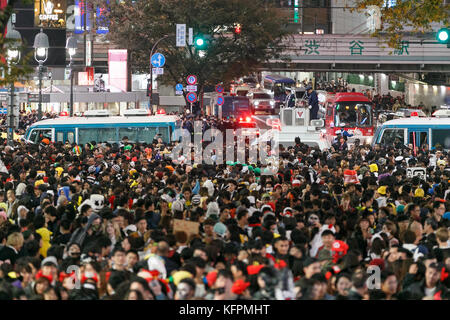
(276, 85)
(414, 131)
(81, 130)
(349, 111)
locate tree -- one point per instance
(11, 72)
(137, 25)
(416, 15)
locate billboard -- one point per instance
(80, 10)
(101, 21)
(118, 68)
(86, 78)
(50, 13)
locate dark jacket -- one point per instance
(417, 289)
(353, 295)
(7, 253)
(313, 100)
(290, 101)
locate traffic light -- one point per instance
(149, 88)
(237, 29)
(200, 42)
(443, 36)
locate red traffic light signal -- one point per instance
(237, 29)
(149, 88)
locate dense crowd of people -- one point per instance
(127, 222)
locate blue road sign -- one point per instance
(220, 100)
(158, 60)
(3, 110)
(179, 87)
(219, 89)
(191, 97)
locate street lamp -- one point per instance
(71, 47)
(40, 54)
(13, 57)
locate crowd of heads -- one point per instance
(125, 221)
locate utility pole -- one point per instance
(11, 116)
(85, 31)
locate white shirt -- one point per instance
(430, 292)
(382, 202)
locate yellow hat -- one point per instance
(38, 183)
(382, 190)
(180, 275)
(419, 193)
(394, 208)
(134, 184)
(373, 167)
(59, 170)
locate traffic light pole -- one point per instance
(10, 136)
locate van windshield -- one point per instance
(261, 96)
(353, 114)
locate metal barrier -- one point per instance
(299, 117)
(294, 116)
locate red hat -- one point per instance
(45, 179)
(211, 278)
(89, 275)
(276, 186)
(296, 183)
(255, 269)
(41, 275)
(63, 275)
(339, 250)
(239, 286)
(377, 262)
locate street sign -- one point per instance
(191, 88)
(158, 71)
(219, 89)
(191, 79)
(34, 97)
(179, 93)
(4, 97)
(191, 36)
(158, 60)
(220, 100)
(191, 97)
(67, 74)
(179, 87)
(3, 110)
(181, 35)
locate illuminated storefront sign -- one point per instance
(101, 21)
(50, 13)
